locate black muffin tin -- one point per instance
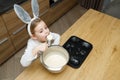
(78, 50)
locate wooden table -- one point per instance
(103, 62)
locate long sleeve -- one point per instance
(27, 57)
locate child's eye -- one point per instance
(41, 31)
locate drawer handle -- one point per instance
(4, 40)
(44, 12)
(19, 30)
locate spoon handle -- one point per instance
(49, 42)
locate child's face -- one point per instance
(41, 31)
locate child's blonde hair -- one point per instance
(34, 24)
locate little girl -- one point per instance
(37, 41)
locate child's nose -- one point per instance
(46, 31)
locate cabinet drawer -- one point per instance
(20, 37)
(3, 30)
(12, 22)
(6, 49)
(44, 5)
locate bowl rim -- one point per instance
(49, 67)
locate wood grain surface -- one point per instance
(103, 62)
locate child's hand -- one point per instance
(40, 48)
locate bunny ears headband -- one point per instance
(25, 17)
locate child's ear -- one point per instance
(33, 36)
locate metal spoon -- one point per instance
(49, 39)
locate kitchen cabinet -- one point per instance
(58, 10)
(6, 46)
(14, 34)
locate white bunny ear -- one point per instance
(35, 8)
(22, 14)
